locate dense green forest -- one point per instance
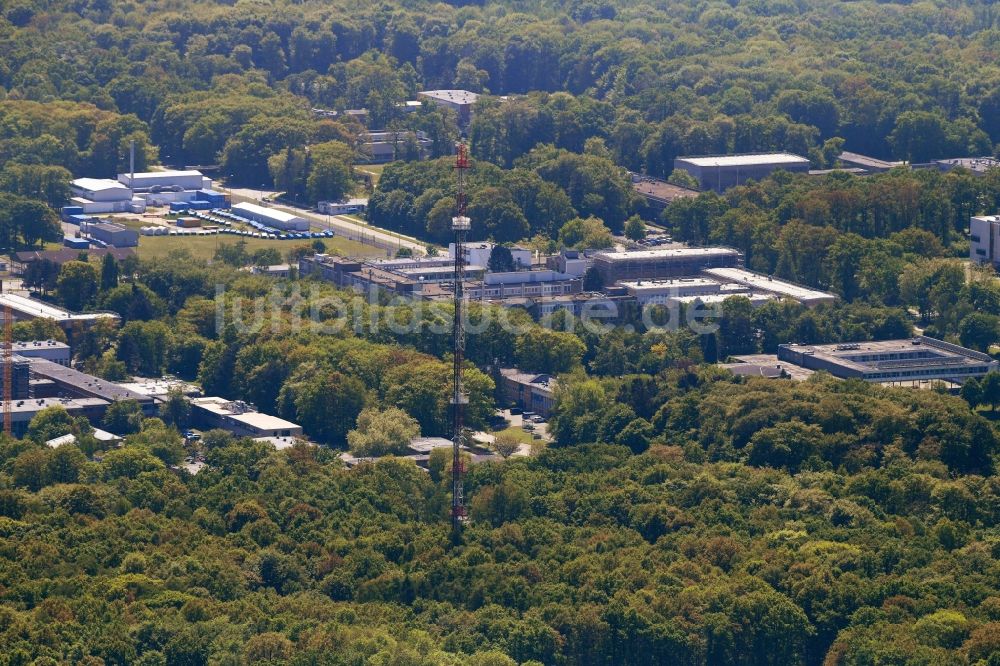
(884, 553)
(680, 514)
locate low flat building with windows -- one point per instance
(26, 308)
(345, 207)
(382, 146)
(913, 361)
(721, 172)
(459, 101)
(532, 392)
(523, 284)
(770, 285)
(22, 411)
(71, 383)
(662, 262)
(240, 419)
(50, 350)
(659, 292)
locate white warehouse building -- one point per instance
(185, 180)
(278, 219)
(100, 195)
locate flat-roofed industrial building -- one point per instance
(910, 361)
(770, 285)
(50, 350)
(240, 418)
(459, 101)
(112, 233)
(662, 262)
(25, 308)
(721, 172)
(100, 195)
(271, 217)
(70, 383)
(188, 179)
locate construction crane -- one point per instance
(460, 224)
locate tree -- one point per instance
(77, 284)
(266, 256)
(972, 392)
(324, 402)
(990, 389)
(42, 275)
(143, 347)
(635, 228)
(979, 330)
(542, 350)
(50, 423)
(109, 273)
(234, 254)
(589, 233)
(331, 176)
(382, 432)
(592, 280)
(31, 469)
(506, 445)
(501, 259)
(133, 301)
(123, 417)
(176, 409)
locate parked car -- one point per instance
(528, 426)
(538, 419)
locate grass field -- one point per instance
(373, 170)
(517, 433)
(203, 247)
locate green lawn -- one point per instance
(203, 247)
(517, 433)
(374, 170)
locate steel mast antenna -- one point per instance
(460, 224)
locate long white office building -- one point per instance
(769, 285)
(25, 308)
(277, 219)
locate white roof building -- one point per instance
(186, 180)
(240, 419)
(757, 159)
(29, 308)
(100, 189)
(769, 285)
(271, 217)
